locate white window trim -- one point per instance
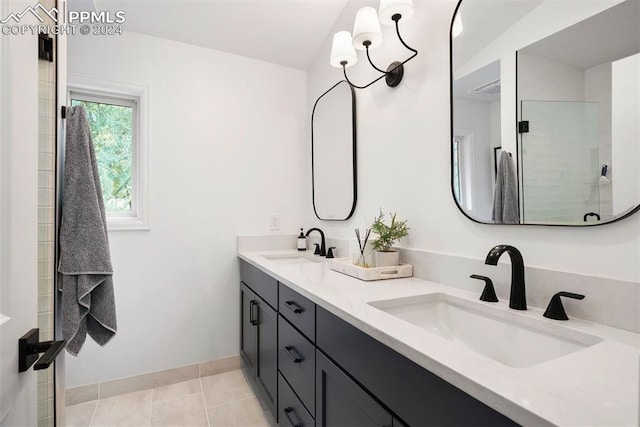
(104, 88)
(466, 152)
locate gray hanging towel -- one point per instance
(84, 272)
(505, 196)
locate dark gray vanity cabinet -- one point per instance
(259, 332)
(313, 368)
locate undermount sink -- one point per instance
(290, 258)
(505, 336)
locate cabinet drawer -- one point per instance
(298, 310)
(297, 362)
(291, 412)
(260, 283)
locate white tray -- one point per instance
(345, 266)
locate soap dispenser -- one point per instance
(302, 241)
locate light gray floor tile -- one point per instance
(182, 411)
(242, 413)
(176, 390)
(80, 415)
(225, 388)
(132, 409)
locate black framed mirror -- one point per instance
(333, 153)
(545, 100)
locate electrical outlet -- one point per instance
(274, 222)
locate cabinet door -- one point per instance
(248, 341)
(341, 402)
(267, 361)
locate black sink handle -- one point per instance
(555, 309)
(488, 293)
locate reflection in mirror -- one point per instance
(556, 84)
(333, 146)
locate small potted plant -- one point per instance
(387, 235)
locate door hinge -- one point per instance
(523, 126)
(45, 47)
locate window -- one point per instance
(117, 131)
(113, 129)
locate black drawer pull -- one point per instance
(252, 318)
(293, 307)
(293, 353)
(287, 412)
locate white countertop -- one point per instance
(598, 385)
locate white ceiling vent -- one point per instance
(490, 88)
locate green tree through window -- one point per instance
(112, 132)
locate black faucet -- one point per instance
(323, 247)
(518, 297)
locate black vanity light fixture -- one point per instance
(367, 36)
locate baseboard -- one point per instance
(87, 393)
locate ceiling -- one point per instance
(285, 32)
(482, 76)
(608, 36)
(482, 25)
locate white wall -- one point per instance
(626, 132)
(474, 117)
(541, 79)
(227, 140)
(406, 130)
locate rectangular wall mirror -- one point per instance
(545, 101)
(333, 153)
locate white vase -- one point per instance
(387, 258)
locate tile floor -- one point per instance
(219, 400)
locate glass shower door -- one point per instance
(559, 162)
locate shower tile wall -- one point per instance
(46, 226)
